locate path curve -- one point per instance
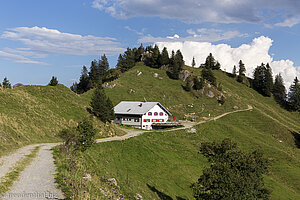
(38, 178)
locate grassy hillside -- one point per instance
(164, 165)
(31, 114)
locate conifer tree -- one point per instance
(84, 81)
(193, 62)
(279, 91)
(164, 57)
(101, 105)
(94, 73)
(268, 80)
(234, 72)
(126, 61)
(262, 79)
(139, 53)
(198, 83)
(208, 75)
(210, 61)
(152, 59)
(53, 81)
(242, 69)
(6, 84)
(294, 95)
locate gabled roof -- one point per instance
(137, 108)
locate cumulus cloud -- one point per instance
(198, 11)
(199, 35)
(252, 54)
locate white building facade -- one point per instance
(140, 114)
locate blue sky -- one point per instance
(39, 39)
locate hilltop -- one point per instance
(34, 114)
(163, 165)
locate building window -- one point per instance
(124, 119)
(150, 113)
(155, 114)
(146, 120)
(136, 120)
(162, 120)
(157, 120)
(161, 113)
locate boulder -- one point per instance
(183, 75)
(201, 91)
(112, 182)
(138, 197)
(235, 107)
(87, 176)
(210, 94)
(155, 75)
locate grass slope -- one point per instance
(164, 165)
(33, 114)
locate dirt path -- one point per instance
(37, 180)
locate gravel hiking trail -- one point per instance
(37, 181)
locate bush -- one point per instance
(53, 81)
(208, 75)
(78, 138)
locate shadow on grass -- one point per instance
(296, 138)
(162, 195)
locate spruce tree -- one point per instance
(294, 95)
(268, 81)
(164, 57)
(198, 83)
(84, 81)
(126, 61)
(210, 61)
(102, 107)
(139, 53)
(262, 79)
(193, 62)
(94, 73)
(208, 75)
(234, 72)
(6, 84)
(242, 68)
(279, 91)
(53, 81)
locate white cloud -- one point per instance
(51, 41)
(198, 11)
(200, 35)
(252, 55)
(289, 22)
(19, 58)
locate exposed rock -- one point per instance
(131, 91)
(17, 85)
(192, 130)
(87, 176)
(112, 182)
(235, 107)
(183, 75)
(138, 197)
(155, 75)
(160, 78)
(210, 94)
(138, 73)
(201, 91)
(164, 67)
(208, 85)
(107, 85)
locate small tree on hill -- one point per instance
(101, 105)
(208, 75)
(242, 68)
(233, 174)
(6, 84)
(234, 72)
(294, 95)
(279, 91)
(79, 138)
(53, 81)
(198, 83)
(164, 57)
(193, 62)
(84, 82)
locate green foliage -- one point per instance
(126, 61)
(208, 75)
(188, 85)
(294, 95)
(262, 80)
(53, 81)
(193, 62)
(164, 57)
(152, 58)
(220, 88)
(84, 81)
(234, 72)
(101, 105)
(242, 68)
(6, 84)
(211, 63)
(176, 64)
(233, 174)
(78, 138)
(279, 91)
(198, 83)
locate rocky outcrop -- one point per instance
(184, 74)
